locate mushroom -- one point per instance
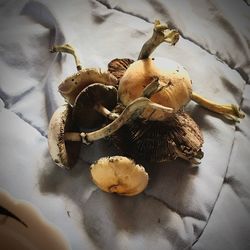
(179, 88)
(64, 153)
(61, 137)
(74, 84)
(93, 104)
(119, 174)
(131, 112)
(161, 136)
(157, 142)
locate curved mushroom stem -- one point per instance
(105, 112)
(132, 111)
(67, 49)
(229, 111)
(161, 34)
(154, 87)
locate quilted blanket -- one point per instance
(206, 207)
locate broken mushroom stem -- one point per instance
(132, 111)
(67, 48)
(229, 111)
(161, 34)
(154, 87)
(105, 112)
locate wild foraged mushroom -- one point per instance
(179, 91)
(74, 84)
(119, 174)
(64, 139)
(158, 136)
(58, 137)
(64, 153)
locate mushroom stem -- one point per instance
(72, 136)
(132, 111)
(149, 90)
(105, 112)
(229, 111)
(152, 88)
(66, 48)
(161, 34)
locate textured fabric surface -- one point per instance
(182, 207)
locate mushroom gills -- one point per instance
(74, 84)
(64, 153)
(154, 141)
(93, 105)
(118, 66)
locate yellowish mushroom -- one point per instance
(178, 88)
(119, 174)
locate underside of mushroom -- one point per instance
(177, 137)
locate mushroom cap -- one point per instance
(84, 112)
(64, 153)
(161, 141)
(118, 66)
(176, 93)
(119, 174)
(74, 84)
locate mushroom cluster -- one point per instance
(140, 105)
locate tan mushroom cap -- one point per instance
(64, 153)
(174, 77)
(73, 85)
(118, 174)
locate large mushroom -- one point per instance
(64, 138)
(179, 91)
(120, 175)
(157, 142)
(155, 135)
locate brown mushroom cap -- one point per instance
(73, 85)
(176, 93)
(118, 66)
(84, 112)
(64, 153)
(162, 141)
(118, 174)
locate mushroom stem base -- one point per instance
(229, 111)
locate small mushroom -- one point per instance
(74, 84)
(119, 174)
(93, 104)
(64, 153)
